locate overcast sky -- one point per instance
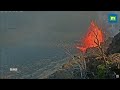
(42, 28)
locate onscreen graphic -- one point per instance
(59, 44)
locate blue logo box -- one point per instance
(112, 18)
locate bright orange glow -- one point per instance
(93, 37)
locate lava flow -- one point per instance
(93, 38)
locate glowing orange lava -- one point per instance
(93, 37)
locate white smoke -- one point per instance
(112, 29)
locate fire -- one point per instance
(93, 38)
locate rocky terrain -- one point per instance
(114, 47)
(92, 65)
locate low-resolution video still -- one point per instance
(59, 44)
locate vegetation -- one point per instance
(97, 65)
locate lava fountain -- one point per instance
(93, 38)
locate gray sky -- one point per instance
(42, 28)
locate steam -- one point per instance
(112, 29)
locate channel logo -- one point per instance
(112, 18)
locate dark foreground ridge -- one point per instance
(93, 66)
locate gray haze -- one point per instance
(113, 29)
(26, 36)
(42, 28)
(30, 41)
